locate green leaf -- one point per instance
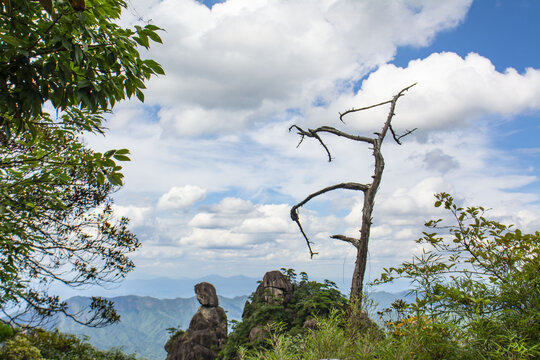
(154, 66)
(140, 95)
(155, 37)
(100, 178)
(115, 179)
(10, 40)
(78, 53)
(152, 27)
(120, 157)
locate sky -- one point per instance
(215, 170)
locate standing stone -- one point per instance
(275, 287)
(206, 294)
(207, 332)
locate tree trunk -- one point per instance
(370, 190)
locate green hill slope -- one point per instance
(144, 322)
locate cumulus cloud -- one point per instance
(244, 71)
(234, 222)
(137, 215)
(240, 61)
(181, 198)
(450, 91)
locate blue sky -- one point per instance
(214, 170)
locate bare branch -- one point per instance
(391, 113)
(294, 209)
(341, 115)
(348, 186)
(311, 253)
(313, 133)
(398, 138)
(351, 240)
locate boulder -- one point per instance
(258, 333)
(206, 294)
(275, 286)
(207, 332)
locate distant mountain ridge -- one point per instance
(145, 320)
(165, 288)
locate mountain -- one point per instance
(144, 322)
(163, 287)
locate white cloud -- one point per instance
(137, 215)
(215, 239)
(450, 91)
(241, 61)
(240, 74)
(179, 198)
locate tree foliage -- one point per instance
(71, 58)
(56, 220)
(478, 276)
(39, 344)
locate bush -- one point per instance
(479, 276)
(38, 344)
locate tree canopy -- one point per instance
(56, 220)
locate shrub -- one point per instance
(39, 344)
(309, 299)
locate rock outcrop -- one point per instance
(207, 330)
(275, 287)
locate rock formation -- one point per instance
(275, 287)
(207, 330)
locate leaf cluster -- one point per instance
(71, 58)
(56, 221)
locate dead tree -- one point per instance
(369, 190)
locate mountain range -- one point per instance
(144, 320)
(163, 287)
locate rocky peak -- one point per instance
(275, 286)
(206, 294)
(207, 332)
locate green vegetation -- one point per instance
(144, 322)
(477, 297)
(56, 221)
(38, 344)
(309, 299)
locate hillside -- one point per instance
(144, 322)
